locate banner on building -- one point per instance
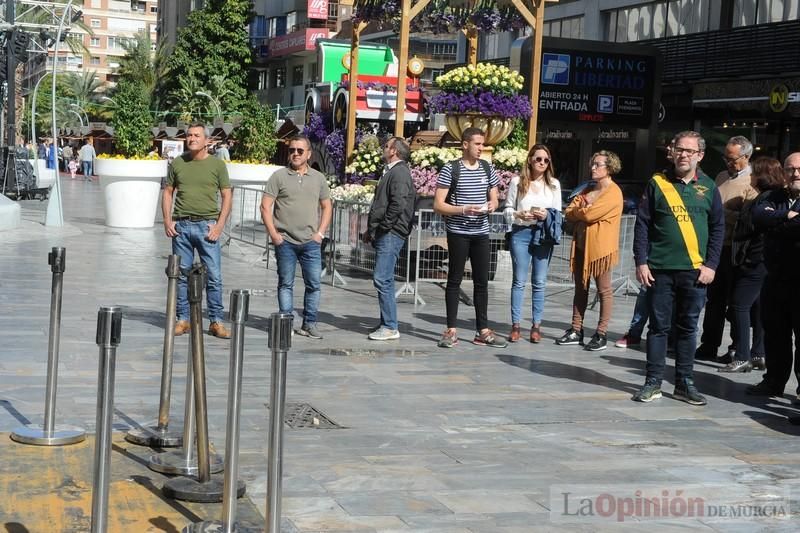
(318, 9)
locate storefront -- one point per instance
(596, 96)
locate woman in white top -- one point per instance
(529, 197)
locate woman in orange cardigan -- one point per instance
(597, 213)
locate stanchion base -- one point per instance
(60, 436)
(188, 489)
(156, 437)
(218, 527)
(174, 463)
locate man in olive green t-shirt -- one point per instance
(196, 223)
(296, 209)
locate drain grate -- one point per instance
(306, 416)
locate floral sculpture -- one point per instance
(483, 95)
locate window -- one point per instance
(153, 9)
(664, 18)
(94, 41)
(749, 12)
(95, 23)
(570, 27)
(94, 60)
(297, 75)
(279, 77)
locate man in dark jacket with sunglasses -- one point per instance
(297, 210)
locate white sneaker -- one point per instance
(384, 334)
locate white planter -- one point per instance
(45, 177)
(131, 190)
(248, 183)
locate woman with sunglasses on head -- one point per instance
(597, 214)
(533, 208)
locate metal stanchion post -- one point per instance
(239, 309)
(109, 331)
(159, 435)
(49, 434)
(280, 340)
(183, 462)
(206, 488)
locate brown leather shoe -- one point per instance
(536, 335)
(181, 327)
(218, 330)
(515, 333)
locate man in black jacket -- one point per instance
(389, 223)
(778, 217)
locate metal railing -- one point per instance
(424, 257)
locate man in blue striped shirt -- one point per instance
(466, 192)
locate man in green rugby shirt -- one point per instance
(677, 243)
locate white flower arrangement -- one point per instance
(353, 193)
(434, 157)
(509, 159)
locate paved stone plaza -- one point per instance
(465, 440)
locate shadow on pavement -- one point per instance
(554, 369)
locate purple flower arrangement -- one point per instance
(483, 102)
(440, 17)
(316, 129)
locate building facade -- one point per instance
(730, 67)
(111, 23)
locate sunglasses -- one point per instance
(544, 160)
(298, 151)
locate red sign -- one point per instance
(299, 41)
(317, 9)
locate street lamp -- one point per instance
(55, 213)
(80, 118)
(82, 110)
(213, 101)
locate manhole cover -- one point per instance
(306, 416)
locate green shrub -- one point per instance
(255, 137)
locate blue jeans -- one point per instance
(678, 288)
(640, 312)
(192, 236)
(87, 168)
(309, 255)
(387, 250)
(521, 255)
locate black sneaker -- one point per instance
(649, 392)
(728, 357)
(758, 362)
(705, 353)
(597, 343)
(764, 388)
(571, 337)
(687, 392)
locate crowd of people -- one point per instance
(724, 244)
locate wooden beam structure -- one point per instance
(352, 90)
(536, 71)
(407, 14)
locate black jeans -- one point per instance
(460, 247)
(717, 304)
(747, 283)
(678, 288)
(781, 318)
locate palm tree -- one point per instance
(142, 63)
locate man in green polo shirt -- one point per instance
(677, 243)
(196, 223)
(296, 209)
